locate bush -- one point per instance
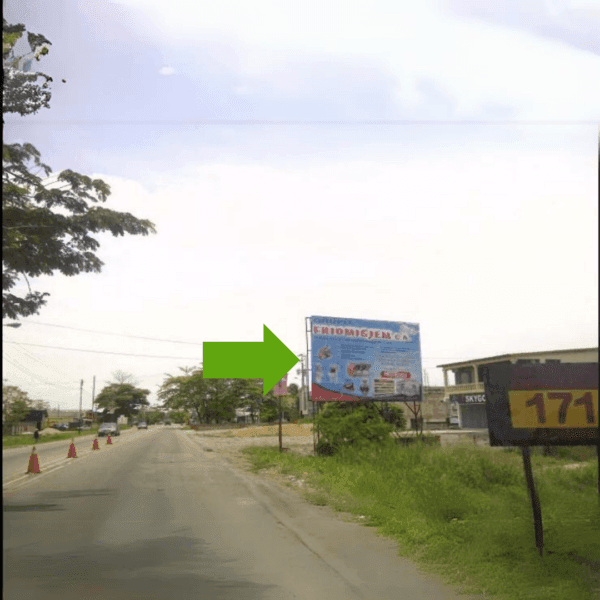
(394, 415)
(348, 423)
(269, 414)
(325, 448)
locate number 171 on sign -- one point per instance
(553, 408)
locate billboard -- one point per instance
(537, 405)
(357, 360)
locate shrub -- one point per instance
(347, 423)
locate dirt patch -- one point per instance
(50, 431)
(288, 430)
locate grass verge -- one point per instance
(463, 512)
(15, 441)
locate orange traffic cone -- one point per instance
(34, 465)
(72, 451)
(108, 440)
(95, 444)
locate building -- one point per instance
(243, 415)
(36, 419)
(434, 410)
(465, 397)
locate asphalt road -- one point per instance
(154, 516)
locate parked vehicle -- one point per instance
(107, 428)
(142, 425)
(61, 426)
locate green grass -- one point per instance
(15, 441)
(464, 513)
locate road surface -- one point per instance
(155, 516)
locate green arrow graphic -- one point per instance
(268, 360)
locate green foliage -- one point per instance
(178, 416)
(269, 412)
(47, 226)
(125, 398)
(22, 93)
(393, 414)
(16, 405)
(152, 417)
(210, 399)
(347, 423)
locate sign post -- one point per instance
(542, 405)
(280, 390)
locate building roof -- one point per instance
(514, 355)
(35, 416)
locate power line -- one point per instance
(28, 373)
(31, 356)
(315, 122)
(117, 334)
(105, 352)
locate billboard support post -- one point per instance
(279, 391)
(535, 501)
(280, 427)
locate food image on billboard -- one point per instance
(360, 359)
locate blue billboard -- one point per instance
(363, 360)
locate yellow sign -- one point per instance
(564, 409)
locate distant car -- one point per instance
(142, 425)
(107, 428)
(61, 426)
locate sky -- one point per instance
(430, 162)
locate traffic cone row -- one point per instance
(34, 462)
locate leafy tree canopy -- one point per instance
(16, 404)
(47, 226)
(211, 399)
(124, 398)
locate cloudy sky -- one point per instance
(430, 162)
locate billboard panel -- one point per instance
(357, 360)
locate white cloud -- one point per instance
(477, 63)
(166, 70)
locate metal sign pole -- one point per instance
(535, 501)
(280, 427)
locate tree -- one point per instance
(47, 225)
(124, 398)
(269, 410)
(178, 416)
(294, 392)
(211, 399)
(123, 377)
(16, 405)
(22, 92)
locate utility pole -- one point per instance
(93, 395)
(80, 404)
